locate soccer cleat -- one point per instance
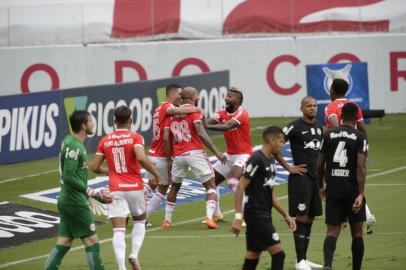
(243, 224)
(314, 265)
(371, 224)
(133, 261)
(211, 224)
(216, 218)
(302, 265)
(166, 224)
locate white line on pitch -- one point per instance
(26, 176)
(387, 172)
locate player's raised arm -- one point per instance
(290, 221)
(172, 110)
(230, 124)
(238, 197)
(146, 163)
(201, 132)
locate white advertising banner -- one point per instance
(271, 71)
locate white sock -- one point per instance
(367, 212)
(232, 183)
(210, 207)
(137, 235)
(119, 246)
(147, 190)
(217, 211)
(154, 203)
(170, 206)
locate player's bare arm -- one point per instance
(167, 145)
(230, 124)
(333, 119)
(238, 197)
(146, 163)
(201, 132)
(172, 110)
(361, 175)
(320, 174)
(362, 127)
(295, 169)
(290, 221)
(97, 165)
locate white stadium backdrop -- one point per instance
(271, 71)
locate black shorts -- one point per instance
(260, 234)
(304, 199)
(339, 210)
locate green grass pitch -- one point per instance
(188, 245)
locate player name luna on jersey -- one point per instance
(340, 172)
(343, 134)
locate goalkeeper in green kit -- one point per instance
(76, 216)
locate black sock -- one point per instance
(250, 264)
(329, 247)
(278, 260)
(357, 249)
(307, 239)
(300, 240)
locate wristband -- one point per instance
(238, 216)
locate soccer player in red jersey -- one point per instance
(124, 154)
(338, 90)
(156, 152)
(234, 121)
(188, 140)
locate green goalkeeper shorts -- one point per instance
(76, 221)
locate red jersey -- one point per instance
(184, 134)
(124, 170)
(158, 124)
(334, 108)
(238, 140)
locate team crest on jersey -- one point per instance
(92, 227)
(301, 206)
(248, 168)
(331, 74)
(275, 236)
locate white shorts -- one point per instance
(196, 160)
(127, 202)
(161, 165)
(232, 160)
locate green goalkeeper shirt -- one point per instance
(73, 171)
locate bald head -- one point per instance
(190, 95)
(308, 107)
(306, 100)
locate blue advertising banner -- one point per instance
(29, 126)
(32, 125)
(320, 78)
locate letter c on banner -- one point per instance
(190, 61)
(39, 67)
(270, 75)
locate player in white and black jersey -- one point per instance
(257, 183)
(305, 135)
(341, 165)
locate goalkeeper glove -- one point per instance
(100, 194)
